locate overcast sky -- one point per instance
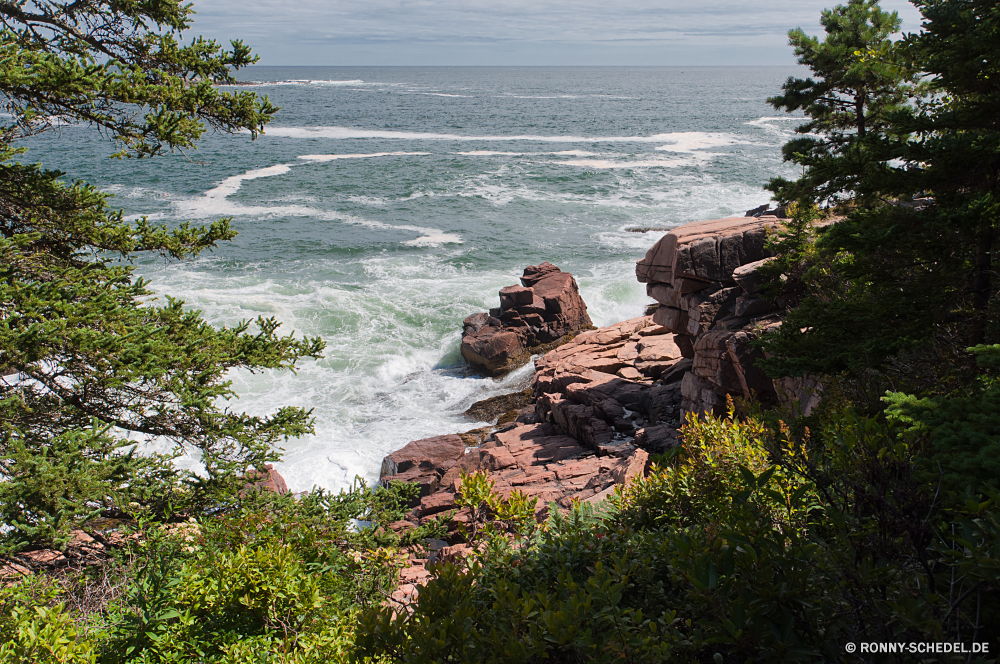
(519, 32)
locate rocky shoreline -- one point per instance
(601, 403)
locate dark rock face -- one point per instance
(545, 308)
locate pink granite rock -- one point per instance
(547, 307)
(705, 250)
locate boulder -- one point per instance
(423, 462)
(747, 276)
(492, 349)
(438, 452)
(267, 480)
(545, 308)
(512, 296)
(535, 273)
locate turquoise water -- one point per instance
(384, 205)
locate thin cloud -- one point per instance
(434, 26)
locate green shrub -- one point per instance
(752, 545)
(270, 579)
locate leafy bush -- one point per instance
(752, 545)
(271, 579)
(961, 429)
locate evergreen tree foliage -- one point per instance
(87, 357)
(860, 80)
(894, 274)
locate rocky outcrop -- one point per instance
(766, 211)
(601, 403)
(538, 459)
(267, 480)
(704, 277)
(606, 399)
(605, 385)
(423, 462)
(544, 308)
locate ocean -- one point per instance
(384, 205)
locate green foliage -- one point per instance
(893, 275)
(495, 517)
(120, 67)
(752, 545)
(271, 580)
(861, 80)
(717, 453)
(960, 429)
(88, 354)
(33, 628)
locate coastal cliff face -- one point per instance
(607, 399)
(703, 275)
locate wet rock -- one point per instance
(495, 408)
(493, 349)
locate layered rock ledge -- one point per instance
(704, 279)
(601, 404)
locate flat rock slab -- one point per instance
(705, 250)
(539, 461)
(438, 453)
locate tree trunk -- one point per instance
(981, 282)
(859, 113)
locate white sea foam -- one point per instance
(513, 96)
(392, 372)
(437, 94)
(781, 118)
(137, 193)
(642, 163)
(333, 157)
(776, 125)
(491, 153)
(297, 81)
(216, 203)
(674, 142)
(689, 141)
(428, 236)
(498, 153)
(231, 185)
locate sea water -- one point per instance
(384, 205)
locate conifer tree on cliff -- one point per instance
(894, 276)
(86, 357)
(860, 81)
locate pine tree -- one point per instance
(894, 276)
(87, 358)
(860, 80)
